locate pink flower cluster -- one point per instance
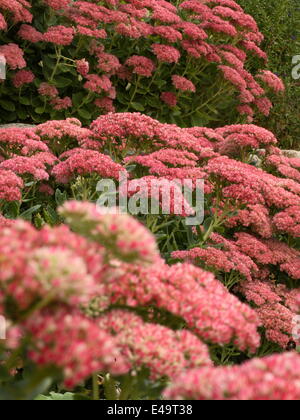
(49, 264)
(70, 341)
(206, 306)
(126, 239)
(276, 307)
(271, 378)
(10, 186)
(163, 351)
(246, 255)
(85, 162)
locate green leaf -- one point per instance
(7, 105)
(84, 114)
(77, 98)
(27, 215)
(40, 110)
(60, 197)
(24, 100)
(137, 106)
(68, 396)
(62, 82)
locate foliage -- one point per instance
(279, 21)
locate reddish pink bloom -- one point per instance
(23, 77)
(142, 66)
(264, 105)
(48, 90)
(234, 77)
(168, 33)
(10, 186)
(207, 307)
(83, 67)
(125, 237)
(288, 221)
(97, 83)
(106, 104)
(61, 103)
(181, 83)
(166, 53)
(59, 35)
(169, 98)
(108, 63)
(14, 56)
(3, 24)
(58, 4)
(273, 81)
(85, 162)
(29, 33)
(74, 343)
(163, 351)
(26, 166)
(271, 378)
(92, 33)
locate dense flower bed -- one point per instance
(86, 58)
(99, 297)
(141, 304)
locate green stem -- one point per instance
(58, 52)
(96, 391)
(134, 93)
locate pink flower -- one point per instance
(167, 32)
(48, 90)
(97, 83)
(271, 378)
(18, 9)
(264, 105)
(126, 238)
(58, 4)
(74, 343)
(83, 67)
(59, 35)
(61, 103)
(92, 33)
(106, 104)
(22, 77)
(288, 221)
(26, 166)
(108, 63)
(163, 351)
(142, 66)
(3, 24)
(29, 33)
(14, 56)
(272, 81)
(169, 98)
(181, 83)
(10, 186)
(166, 53)
(234, 77)
(85, 162)
(208, 309)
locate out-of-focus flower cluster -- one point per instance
(272, 378)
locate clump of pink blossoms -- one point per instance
(122, 235)
(271, 378)
(69, 340)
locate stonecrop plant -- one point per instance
(182, 62)
(139, 304)
(109, 286)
